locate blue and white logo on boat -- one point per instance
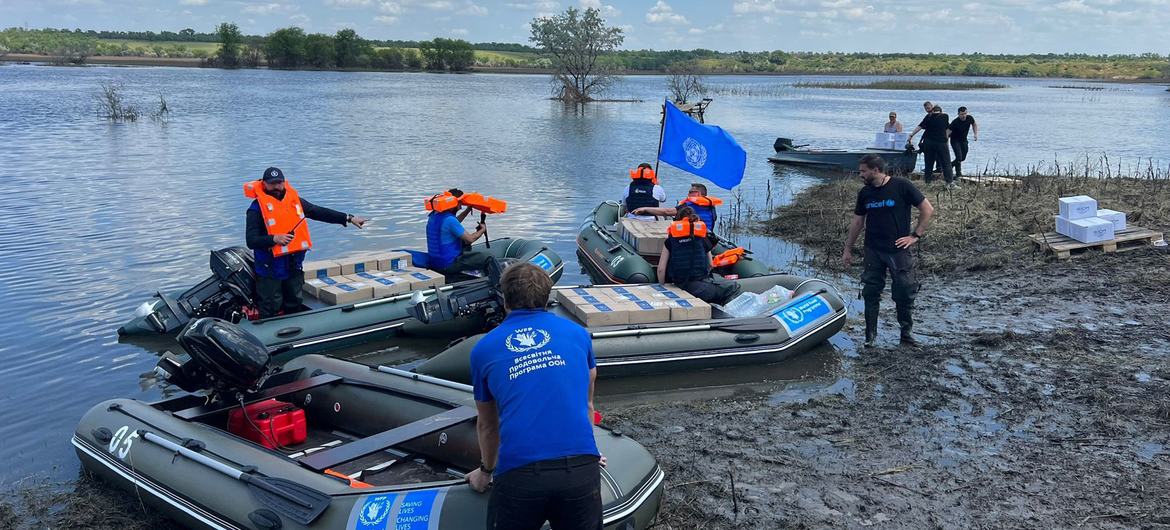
(375, 511)
(696, 153)
(542, 261)
(793, 315)
(526, 339)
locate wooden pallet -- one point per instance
(992, 181)
(1064, 247)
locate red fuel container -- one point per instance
(273, 423)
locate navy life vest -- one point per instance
(277, 268)
(640, 195)
(440, 255)
(689, 252)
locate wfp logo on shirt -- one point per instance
(526, 339)
(888, 203)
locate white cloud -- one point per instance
(390, 8)
(606, 10)
(300, 19)
(347, 3)
(662, 13)
(384, 19)
(1079, 7)
(471, 9)
(541, 5)
(267, 9)
(438, 5)
(459, 31)
(192, 2)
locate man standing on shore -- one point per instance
(934, 144)
(883, 209)
(958, 134)
(533, 377)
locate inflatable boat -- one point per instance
(814, 313)
(321, 443)
(609, 259)
(321, 327)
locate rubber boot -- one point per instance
(871, 320)
(906, 321)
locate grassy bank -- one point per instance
(975, 227)
(899, 84)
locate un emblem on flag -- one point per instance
(696, 153)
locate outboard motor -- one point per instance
(784, 144)
(481, 297)
(223, 295)
(220, 357)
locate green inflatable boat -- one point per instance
(320, 327)
(814, 313)
(376, 447)
(609, 259)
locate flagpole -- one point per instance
(661, 131)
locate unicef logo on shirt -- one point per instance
(890, 203)
(696, 153)
(526, 339)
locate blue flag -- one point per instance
(704, 150)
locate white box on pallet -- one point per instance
(1091, 230)
(1113, 216)
(1078, 207)
(884, 140)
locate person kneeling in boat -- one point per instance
(686, 260)
(698, 200)
(448, 242)
(533, 382)
(279, 238)
(643, 192)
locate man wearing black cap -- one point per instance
(279, 238)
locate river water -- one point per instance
(96, 216)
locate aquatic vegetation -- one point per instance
(901, 84)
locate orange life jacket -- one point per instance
(483, 204)
(441, 202)
(728, 258)
(685, 228)
(643, 173)
(281, 216)
(699, 200)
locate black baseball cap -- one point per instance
(273, 174)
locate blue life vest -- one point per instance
(689, 259)
(268, 266)
(640, 195)
(440, 255)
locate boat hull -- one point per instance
(636, 350)
(897, 161)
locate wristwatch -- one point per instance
(349, 218)
(485, 469)
(916, 235)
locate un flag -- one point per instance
(704, 150)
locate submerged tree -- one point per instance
(576, 40)
(230, 39)
(685, 82)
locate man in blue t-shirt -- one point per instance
(533, 377)
(448, 241)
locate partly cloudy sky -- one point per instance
(990, 26)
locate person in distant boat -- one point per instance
(883, 209)
(893, 126)
(686, 260)
(643, 192)
(959, 128)
(279, 238)
(533, 379)
(697, 199)
(935, 129)
(448, 243)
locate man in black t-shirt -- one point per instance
(934, 144)
(959, 128)
(883, 209)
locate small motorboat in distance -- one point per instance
(320, 443)
(898, 161)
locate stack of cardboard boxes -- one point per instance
(647, 237)
(1081, 220)
(884, 140)
(640, 304)
(364, 276)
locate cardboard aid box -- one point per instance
(321, 269)
(345, 292)
(1091, 230)
(647, 237)
(421, 278)
(1077, 207)
(391, 260)
(384, 283)
(1113, 216)
(590, 309)
(355, 264)
(682, 305)
(313, 286)
(640, 310)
